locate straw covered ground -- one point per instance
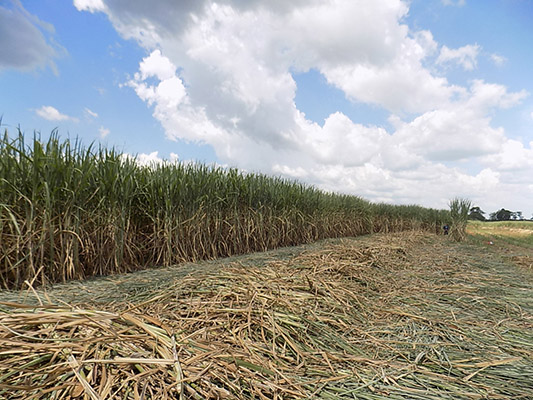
(386, 316)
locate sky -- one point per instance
(396, 101)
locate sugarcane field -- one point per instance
(266, 200)
(205, 283)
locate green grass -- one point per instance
(70, 212)
(518, 233)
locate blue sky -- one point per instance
(397, 101)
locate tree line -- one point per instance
(476, 213)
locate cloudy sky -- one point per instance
(397, 101)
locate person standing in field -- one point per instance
(446, 229)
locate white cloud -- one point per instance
(465, 56)
(103, 132)
(449, 135)
(487, 96)
(174, 157)
(221, 74)
(458, 3)
(463, 128)
(498, 60)
(52, 114)
(90, 113)
(157, 66)
(335, 143)
(514, 156)
(25, 40)
(350, 32)
(151, 159)
(148, 159)
(402, 86)
(89, 5)
(169, 93)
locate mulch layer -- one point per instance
(387, 316)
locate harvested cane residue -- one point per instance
(398, 316)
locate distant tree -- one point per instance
(476, 213)
(501, 215)
(517, 215)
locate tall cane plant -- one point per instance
(70, 212)
(459, 209)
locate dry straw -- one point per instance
(403, 316)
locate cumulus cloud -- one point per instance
(26, 41)
(89, 5)
(514, 156)
(487, 96)
(169, 92)
(148, 159)
(220, 73)
(450, 135)
(465, 56)
(402, 86)
(52, 114)
(463, 128)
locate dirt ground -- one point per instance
(388, 316)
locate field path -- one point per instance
(387, 316)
